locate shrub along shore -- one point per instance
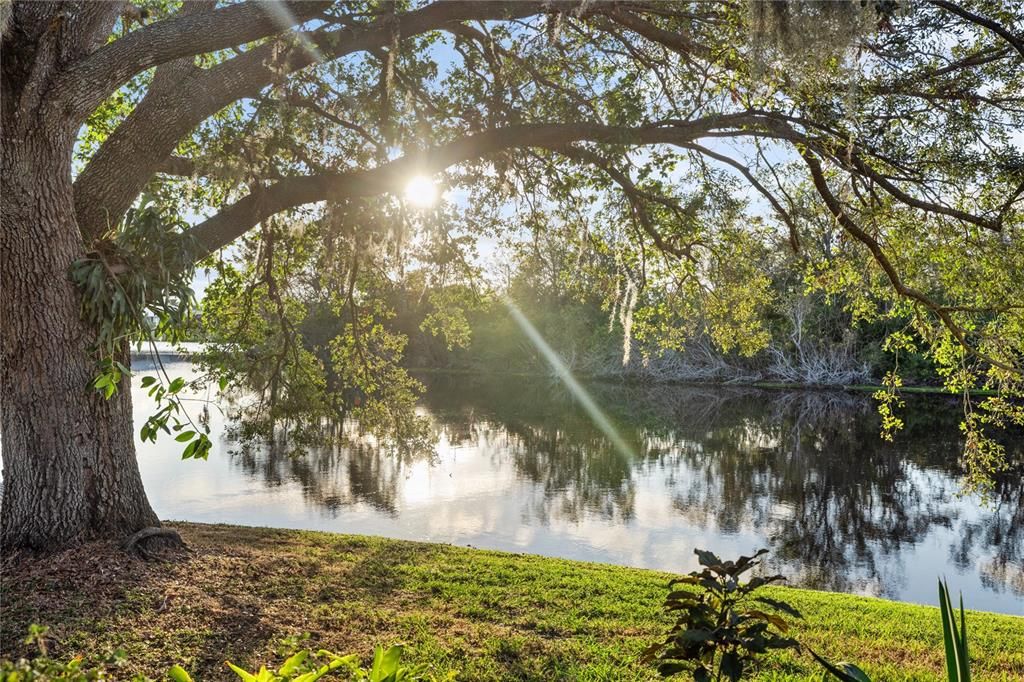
(491, 615)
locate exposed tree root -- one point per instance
(153, 542)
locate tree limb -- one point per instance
(794, 236)
(635, 195)
(237, 219)
(944, 313)
(131, 155)
(1006, 34)
(91, 80)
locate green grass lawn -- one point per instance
(491, 615)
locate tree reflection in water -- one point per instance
(332, 477)
(805, 469)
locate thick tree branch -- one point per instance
(237, 219)
(185, 167)
(132, 154)
(677, 42)
(1006, 34)
(90, 81)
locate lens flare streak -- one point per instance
(284, 17)
(565, 375)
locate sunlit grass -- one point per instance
(490, 615)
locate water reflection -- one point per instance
(805, 470)
(520, 466)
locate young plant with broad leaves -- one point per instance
(300, 665)
(721, 625)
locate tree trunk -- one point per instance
(69, 467)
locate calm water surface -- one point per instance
(519, 466)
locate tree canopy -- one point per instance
(670, 153)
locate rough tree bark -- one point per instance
(69, 466)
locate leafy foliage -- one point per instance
(721, 627)
(880, 134)
(144, 267)
(958, 661)
(306, 666)
(302, 665)
(42, 668)
(138, 273)
(309, 309)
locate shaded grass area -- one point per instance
(491, 615)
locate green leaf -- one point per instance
(185, 436)
(779, 605)
(178, 674)
(669, 669)
(731, 666)
(955, 643)
(965, 660)
(247, 677)
(847, 672)
(385, 663)
(148, 381)
(293, 662)
(707, 558)
(696, 635)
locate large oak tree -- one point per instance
(900, 125)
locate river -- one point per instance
(520, 466)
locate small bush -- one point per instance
(721, 627)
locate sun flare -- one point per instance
(421, 192)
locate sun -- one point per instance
(421, 192)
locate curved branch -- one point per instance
(237, 219)
(848, 155)
(677, 42)
(635, 195)
(929, 207)
(794, 236)
(127, 160)
(944, 313)
(91, 80)
(1006, 34)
